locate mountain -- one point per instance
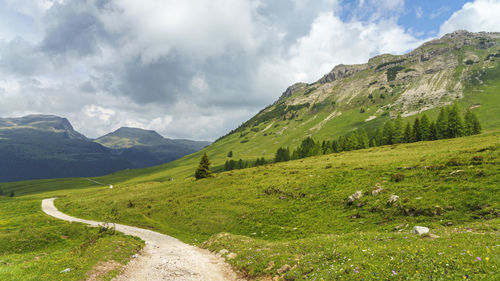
(146, 148)
(47, 146)
(461, 67)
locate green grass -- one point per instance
(34, 246)
(291, 213)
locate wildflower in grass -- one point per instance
(394, 273)
(478, 258)
(486, 258)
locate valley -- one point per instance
(345, 215)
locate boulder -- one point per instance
(356, 196)
(223, 252)
(284, 268)
(377, 191)
(420, 230)
(393, 199)
(66, 270)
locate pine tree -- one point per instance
(352, 142)
(468, 123)
(363, 140)
(471, 124)
(425, 127)
(388, 133)
(335, 146)
(379, 137)
(398, 129)
(342, 143)
(433, 135)
(455, 123)
(203, 170)
(477, 126)
(408, 134)
(417, 130)
(442, 124)
(12, 194)
(282, 154)
(230, 154)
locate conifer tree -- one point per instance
(425, 127)
(442, 124)
(433, 135)
(388, 133)
(203, 170)
(455, 123)
(282, 154)
(230, 154)
(363, 140)
(468, 123)
(379, 137)
(477, 126)
(398, 129)
(408, 134)
(352, 142)
(335, 146)
(417, 130)
(471, 124)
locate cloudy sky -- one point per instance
(198, 68)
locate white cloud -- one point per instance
(332, 41)
(480, 15)
(201, 28)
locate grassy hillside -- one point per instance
(34, 246)
(296, 213)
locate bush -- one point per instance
(397, 177)
(477, 160)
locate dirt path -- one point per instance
(163, 257)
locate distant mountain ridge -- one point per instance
(47, 146)
(146, 148)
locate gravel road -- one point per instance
(163, 257)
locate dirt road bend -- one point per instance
(163, 257)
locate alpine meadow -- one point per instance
(384, 170)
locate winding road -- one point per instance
(163, 257)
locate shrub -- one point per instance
(397, 177)
(477, 160)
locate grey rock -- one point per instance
(377, 191)
(420, 230)
(355, 196)
(66, 270)
(393, 199)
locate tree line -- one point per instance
(450, 123)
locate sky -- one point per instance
(197, 69)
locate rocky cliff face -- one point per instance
(430, 76)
